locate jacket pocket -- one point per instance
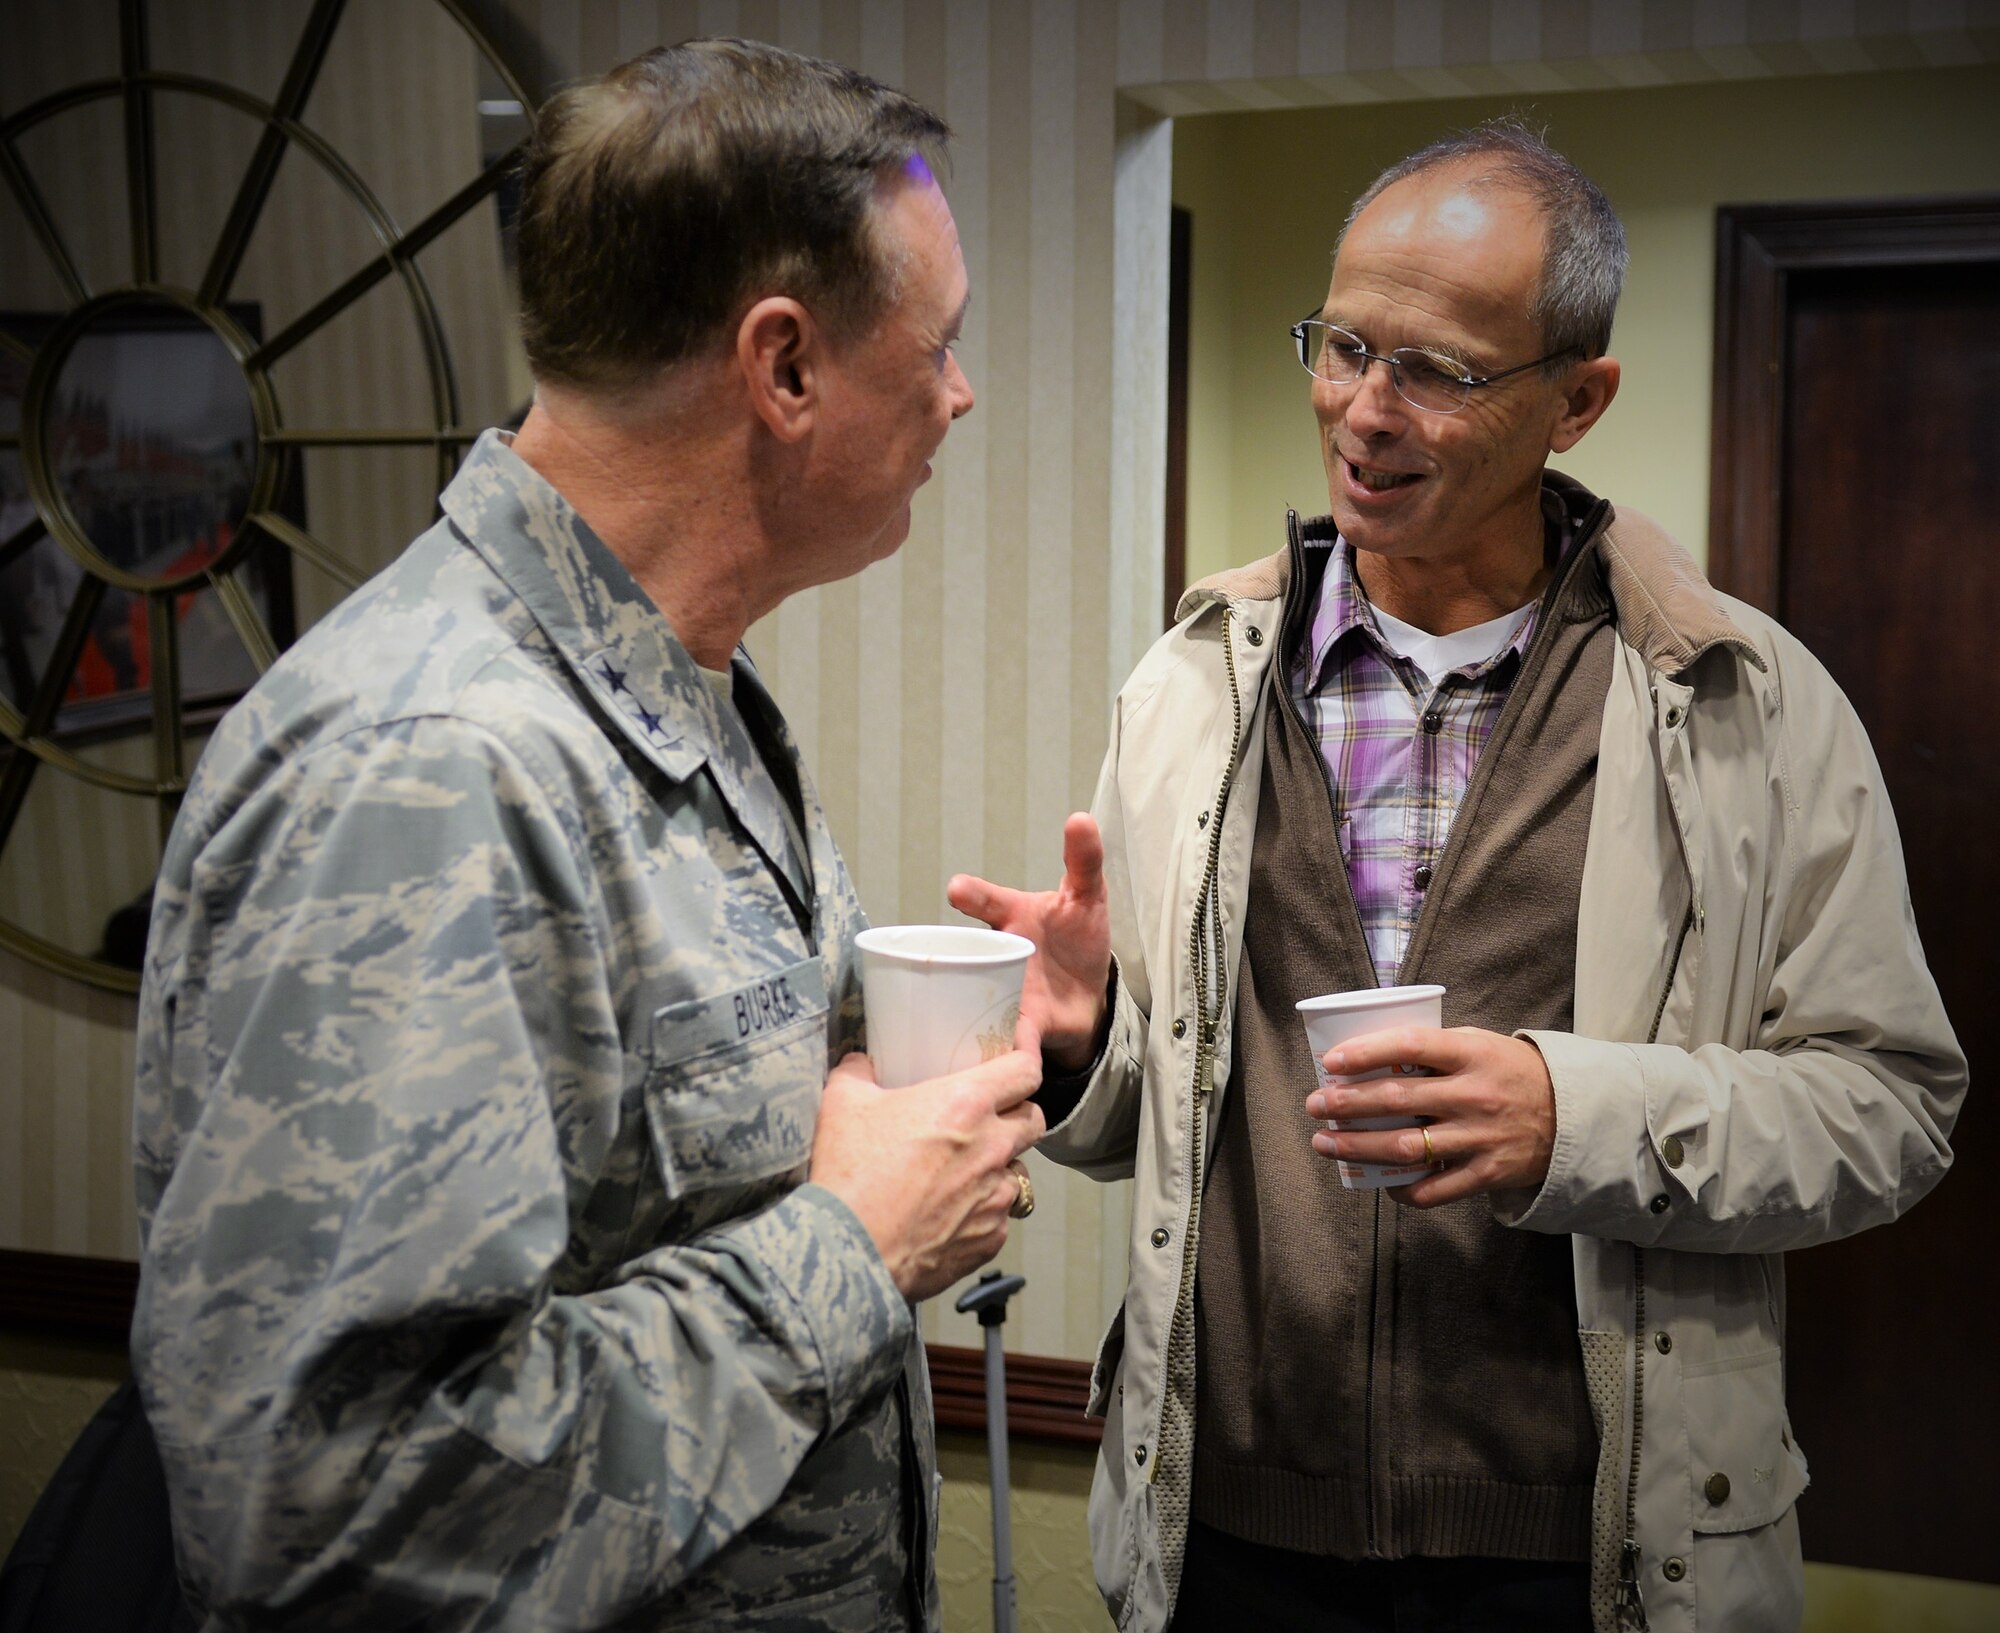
(1104, 1375)
(732, 1094)
(1742, 1464)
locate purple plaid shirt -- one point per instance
(1399, 752)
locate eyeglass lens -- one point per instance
(1339, 358)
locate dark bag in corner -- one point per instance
(97, 1553)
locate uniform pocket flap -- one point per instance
(1743, 1465)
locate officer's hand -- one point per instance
(1491, 1106)
(925, 1168)
(1063, 995)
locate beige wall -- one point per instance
(1269, 191)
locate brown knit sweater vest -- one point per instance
(1375, 1380)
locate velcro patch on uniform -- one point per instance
(771, 1002)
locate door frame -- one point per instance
(1758, 247)
(1760, 250)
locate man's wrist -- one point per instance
(1082, 1062)
(1063, 1088)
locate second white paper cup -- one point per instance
(940, 997)
(1335, 1017)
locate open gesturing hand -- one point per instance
(1063, 995)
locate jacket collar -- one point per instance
(1664, 607)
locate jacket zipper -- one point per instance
(1207, 914)
(1673, 969)
(1631, 1603)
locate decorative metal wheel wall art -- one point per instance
(245, 450)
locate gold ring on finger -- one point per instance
(1024, 1200)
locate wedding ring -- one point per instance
(1432, 1160)
(1024, 1201)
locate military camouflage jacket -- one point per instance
(487, 1007)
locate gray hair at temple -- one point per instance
(659, 202)
(1583, 252)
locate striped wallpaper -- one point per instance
(953, 699)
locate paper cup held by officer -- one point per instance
(940, 997)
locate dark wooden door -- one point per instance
(1875, 537)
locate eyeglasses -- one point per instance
(1423, 379)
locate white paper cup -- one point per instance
(1337, 1016)
(940, 997)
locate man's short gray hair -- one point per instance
(1583, 256)
(659, 202)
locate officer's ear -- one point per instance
(778, 349)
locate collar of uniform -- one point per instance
(809, 844)
(607, 630)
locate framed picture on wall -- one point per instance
(152, 444)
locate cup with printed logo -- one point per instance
(940, 997)
(1335, 1017)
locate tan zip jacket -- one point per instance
(1760, 1062)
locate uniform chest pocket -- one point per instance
(733, 1090)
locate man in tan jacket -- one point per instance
(1474, 728)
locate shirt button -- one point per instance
(1139, 1456)
(1716, 1488)
(1663, 1342)
(1256, 636)
(1660, 1204)
(1180, 1028)
(1670, 1149)
(1202, 820)
(1159, 1238)
(1422, 877)
(1433, 722)
(1674, 1569)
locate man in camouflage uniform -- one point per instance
(520, 1249)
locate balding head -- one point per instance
(1583, 245)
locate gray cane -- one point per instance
(989, 1298)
